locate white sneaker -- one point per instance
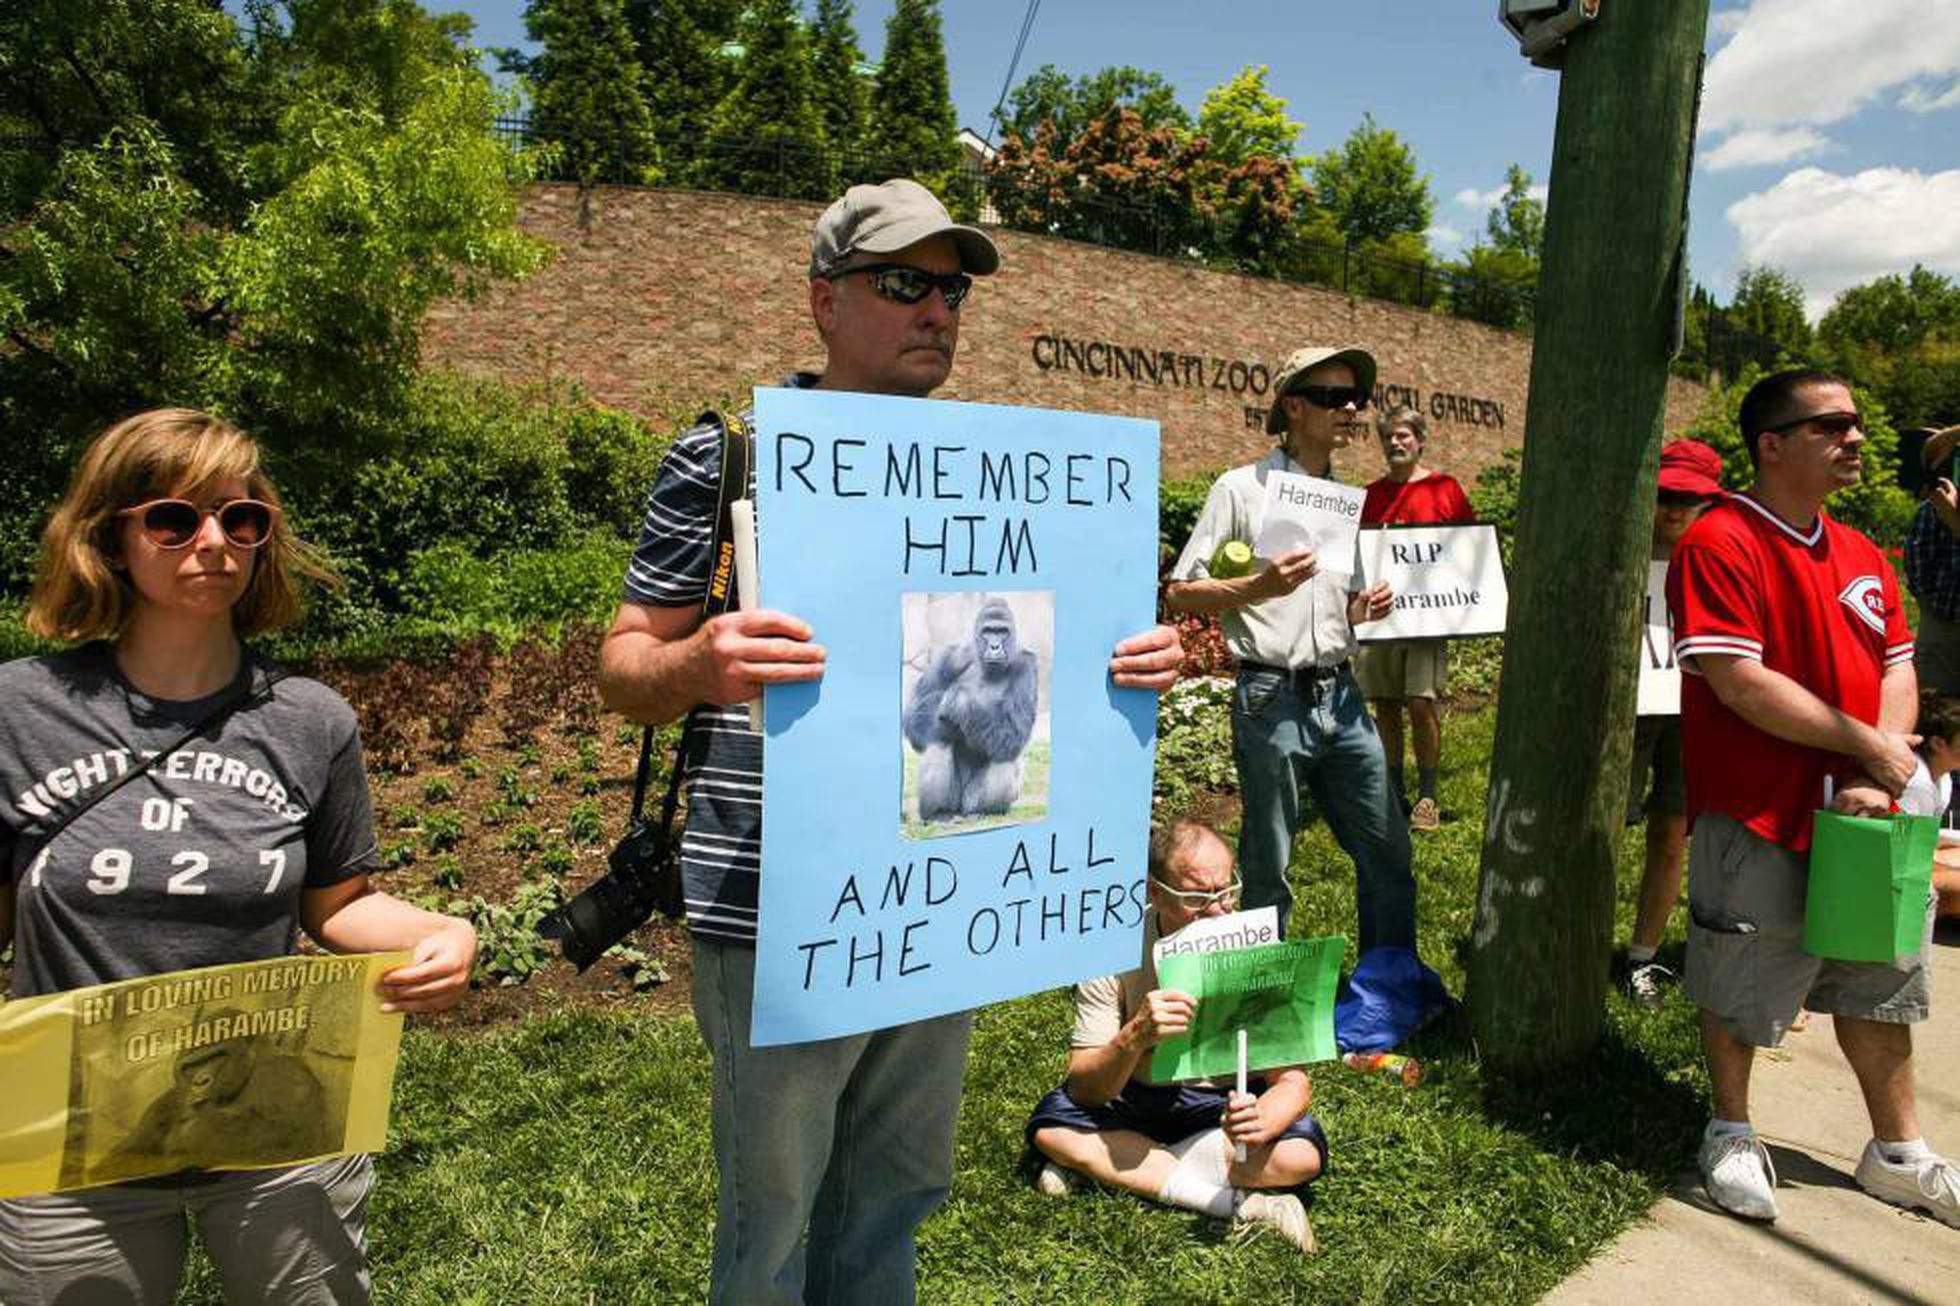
(1930, 1184)
(1282, 1211)
(1648, 983)
(1053, 1181)
(1738, 1176)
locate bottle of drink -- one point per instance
(1408, 1069)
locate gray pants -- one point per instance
(295, 1236)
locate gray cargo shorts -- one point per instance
(295, 1236)
(1746, 962)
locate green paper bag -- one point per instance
(1870, 881)
(1281, 994)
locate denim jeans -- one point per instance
(1289, 736)
(852, 1137)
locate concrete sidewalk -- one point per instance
(1833, 1244)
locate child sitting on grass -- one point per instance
(1931, 787)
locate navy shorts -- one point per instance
(1163, 1113)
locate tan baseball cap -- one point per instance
(1296, 364)
(888, 217)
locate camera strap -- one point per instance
(257, 688)
(737, 463)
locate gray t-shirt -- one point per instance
(198, 862)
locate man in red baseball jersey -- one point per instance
(1409, 672)
(1798, 665)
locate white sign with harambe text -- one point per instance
(1448, 581)
(1306, 512)
(1660, 677)
(1239, 929)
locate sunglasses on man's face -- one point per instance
(175, 523)
(906, 284)
(1332, 396)
(1833, 424)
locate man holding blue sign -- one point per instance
(1797, 665)
(852, 1136)
(1298, 717)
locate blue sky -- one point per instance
(1830, 140)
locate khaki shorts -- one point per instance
(1402, 668)
(1656, 753)
(1746, 962)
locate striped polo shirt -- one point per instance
(721, 849)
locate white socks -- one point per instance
(1197, 1182)
(1719, 1128)
(1906, 1152)
(1638, 955)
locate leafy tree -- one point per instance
(843, 98)
(1117, 183)
(198, 224)
(912, 122)
(585, 91)
(372, 53)
(1516, 223)
(1769, 304)
(768, 133)
(1070, 104)
(1893, 314)
(1371, 187)
(1902, 336)
(686, 71)
(1244, 120)
(1493, 284)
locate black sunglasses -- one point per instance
(174, 523)
(1835, 423)
(908, 285)
(1332, 396)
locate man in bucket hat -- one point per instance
(1298, 718)
(831, 1153)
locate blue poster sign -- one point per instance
(958, 811)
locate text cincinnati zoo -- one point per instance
(947, 543)
(1142, 365)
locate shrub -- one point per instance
(1178, 504)
(508, 949)
(1194, 742)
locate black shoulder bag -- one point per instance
(644, 870)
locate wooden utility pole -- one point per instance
(1614, 232)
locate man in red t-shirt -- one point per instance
(1409, 671)
(1798, 668)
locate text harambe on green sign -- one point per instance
(1281, 994)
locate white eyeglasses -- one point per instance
(1227, 895)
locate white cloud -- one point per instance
(1726, 22)
(1444, 237)
(1918, 99)
(1472, 198)
(1832, 231)
(1820, 61)
(1754, 146)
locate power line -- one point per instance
(1013, 64)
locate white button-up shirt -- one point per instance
(1307, 628)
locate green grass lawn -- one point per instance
(1031, 806)
(568, 1160)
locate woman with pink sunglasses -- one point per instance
(168, 551)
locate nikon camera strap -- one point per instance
(737, 461)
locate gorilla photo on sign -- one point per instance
(976, 705)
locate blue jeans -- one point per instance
(852, 1137)
(1290, 735)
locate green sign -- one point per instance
(1281, 994)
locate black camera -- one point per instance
(643, 876)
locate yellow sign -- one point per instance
(229, 1068)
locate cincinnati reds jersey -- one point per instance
(1819, 605)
